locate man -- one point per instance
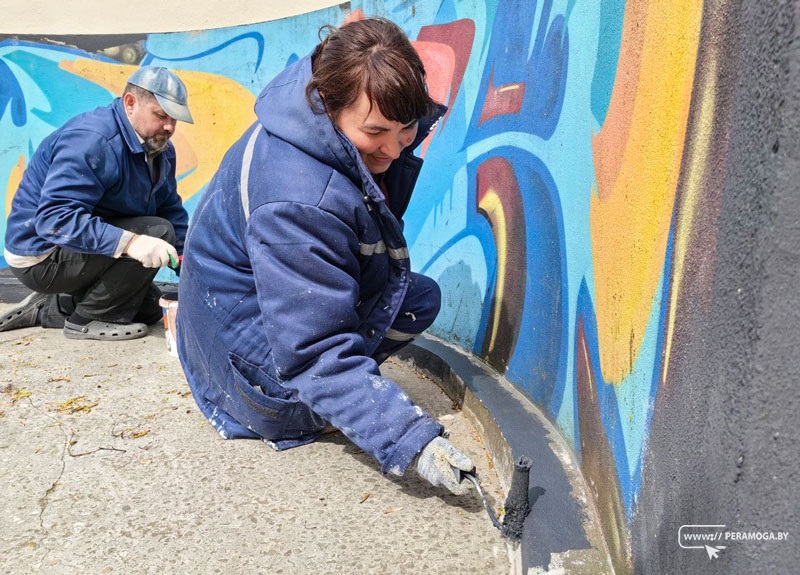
(97, 213)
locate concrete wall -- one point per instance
(143, 16)
(722, 441)
(607, 207)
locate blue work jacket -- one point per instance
(91, 169)
(295, 268)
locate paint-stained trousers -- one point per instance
(417, 313)
(97, 287)
(244, 415)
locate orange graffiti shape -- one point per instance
(439, 61)
(638, 154)
(14, 179)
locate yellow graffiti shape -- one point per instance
(638, 154)
(222, 110)
(492, 206)
(14, 178)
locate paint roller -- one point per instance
(517, 505)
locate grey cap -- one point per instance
(168, 89)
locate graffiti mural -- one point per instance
(555, 207)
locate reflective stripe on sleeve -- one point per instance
(247, 159)
(380, 247)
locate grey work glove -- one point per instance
(441, 464)
(151, 252)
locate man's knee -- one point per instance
(162, 229)
(147, 225)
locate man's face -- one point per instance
(379, 141)
(150, 122)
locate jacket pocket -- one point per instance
(256, 401)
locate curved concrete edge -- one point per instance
(562, 534)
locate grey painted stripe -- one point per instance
(247, 159)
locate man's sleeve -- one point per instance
(83, 167)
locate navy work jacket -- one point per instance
(91, 169)
(295, 268)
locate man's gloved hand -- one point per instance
(440, 463)
(175, 265)
(152, 252)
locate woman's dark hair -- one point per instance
(374, 56)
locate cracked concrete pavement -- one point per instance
(107, 466)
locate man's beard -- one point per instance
(155, 145)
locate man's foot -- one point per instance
(26, 314)
(150, 312)
(104, 331)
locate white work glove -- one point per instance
(441, 464)
(152, 252)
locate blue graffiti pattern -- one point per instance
(540, 68)
(11, 96)
(522, 100)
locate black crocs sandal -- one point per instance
(26, 314)
(104, 331)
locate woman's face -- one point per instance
(379, 141)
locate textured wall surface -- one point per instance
(608, 207)
(723, 442)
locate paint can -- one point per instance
(169, 309)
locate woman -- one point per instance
(296, 282)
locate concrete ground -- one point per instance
(107, 466)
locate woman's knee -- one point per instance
(424, 299)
